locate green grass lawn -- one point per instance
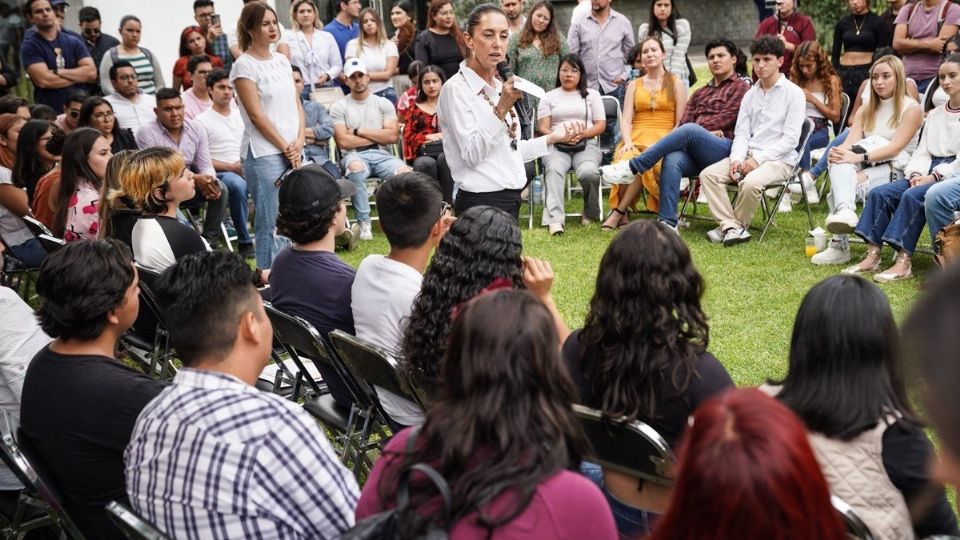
(753, 290)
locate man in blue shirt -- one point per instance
(58, 63)
(344, 26)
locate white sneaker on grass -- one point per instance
(366, 233)
(837, 252)
(735, 236)
(715, 235)
(842, 221)
(786, 205)
(617, 173)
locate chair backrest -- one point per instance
(133, 525)
(19, 458)
(50, 243)
(373, 365)
(301, 340)
(856, 528)
(612, 111)
(36, 226)
(631, 448)
(150, 325)
(844, 114)
(805, 132)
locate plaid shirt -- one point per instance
(213, 457)
(221, 47)
(715, 106)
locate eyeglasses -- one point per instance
(203, 73)
(569, 70)
(90, 32)
(103, 115)
(444, 208)
(126, 78)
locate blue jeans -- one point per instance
(685, 151)
(376, 162)
(390, 94)
(943, 199)
(237, 193)
(821, 166)
(818, 139)
(631, 522)
(30, 253)
(923, 84)
(261, 175)
(894, 213)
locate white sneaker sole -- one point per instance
(839, 227)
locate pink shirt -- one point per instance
(922, 24)
(565, 506)
(192, 107)
(82, 221)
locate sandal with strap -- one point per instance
(619, 224)
(889, 275)
(860, 268)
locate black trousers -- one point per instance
(507, 200)
(436, 168)
(851, 77)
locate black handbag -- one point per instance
(580, 146)
(431, 149)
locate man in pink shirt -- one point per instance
(196, 99)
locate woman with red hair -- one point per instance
(192, 43)
(746, 471)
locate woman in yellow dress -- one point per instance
(655, 104)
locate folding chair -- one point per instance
(133, 525)
(148, 341)
(855, 526)
(793, 178)
(301, 340)
(37, 492)
(15, 273)
(50, 243)
(631, 448)
(36, 226)
(844, 114)
(612, 112)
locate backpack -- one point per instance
(940, 18)
(383, 526)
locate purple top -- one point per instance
(565, 506)
(193, 144)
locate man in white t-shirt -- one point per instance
(363, 125)
(515, 17)
(224, 128)
(132, 108)
(414, 218)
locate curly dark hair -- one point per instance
(80, 284)
(304, 227)
(767, 45)
(481, 246)
(645, 322)
(502, 350)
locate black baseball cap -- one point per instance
(311, 188)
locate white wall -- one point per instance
(163, 20)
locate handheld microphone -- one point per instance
(505, 73)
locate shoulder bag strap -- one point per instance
(403, 485)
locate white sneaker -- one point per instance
(555, 229)
(837, 252)
(715, 235)
(809, 186)
(786, 205)
(366, 233)
(673, 228)
(701, 197)
(735, 236)
(843, 221)
(617, 173)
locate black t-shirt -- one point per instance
(860, 33)
(440, 50)
(78, 413)
(672, 408)
(906, 458)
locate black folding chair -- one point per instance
(36, 226)
(37, 492)
(631, 448)
(793, 178)
(133, 525)
(301, 340)
(148, 341)
(374, 366)
(856, 528)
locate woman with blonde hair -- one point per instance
(883, 135)
(311, 49)
(378, 53)
(116, 209)
(655, 104)
(157, 181)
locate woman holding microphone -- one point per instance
(482, 129)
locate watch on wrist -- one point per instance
(865, 158)
(356, 132)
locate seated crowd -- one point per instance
(146, 191)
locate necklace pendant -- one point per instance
(858, 32)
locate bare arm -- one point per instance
(249, 96)
(625, 125)
(680, 91)
(543, 125)
(387, 135)
(14, 199)
(347, 140)
(905, 131)
(386, 74)
(282, 48)
(42, 77)
(85, 72)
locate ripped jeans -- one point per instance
(376, 162)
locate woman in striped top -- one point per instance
(149, 75)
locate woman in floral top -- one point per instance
(85, 156)
(536, 50)
(423, 127)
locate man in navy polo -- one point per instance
(58, 63)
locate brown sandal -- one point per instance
(606, 227)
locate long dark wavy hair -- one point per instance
(653, 23)
(845, 374)
(502, 351)
(481, 246)
(549, 39)
(645, 322)
(29, 167)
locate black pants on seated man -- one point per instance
(216, 212)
